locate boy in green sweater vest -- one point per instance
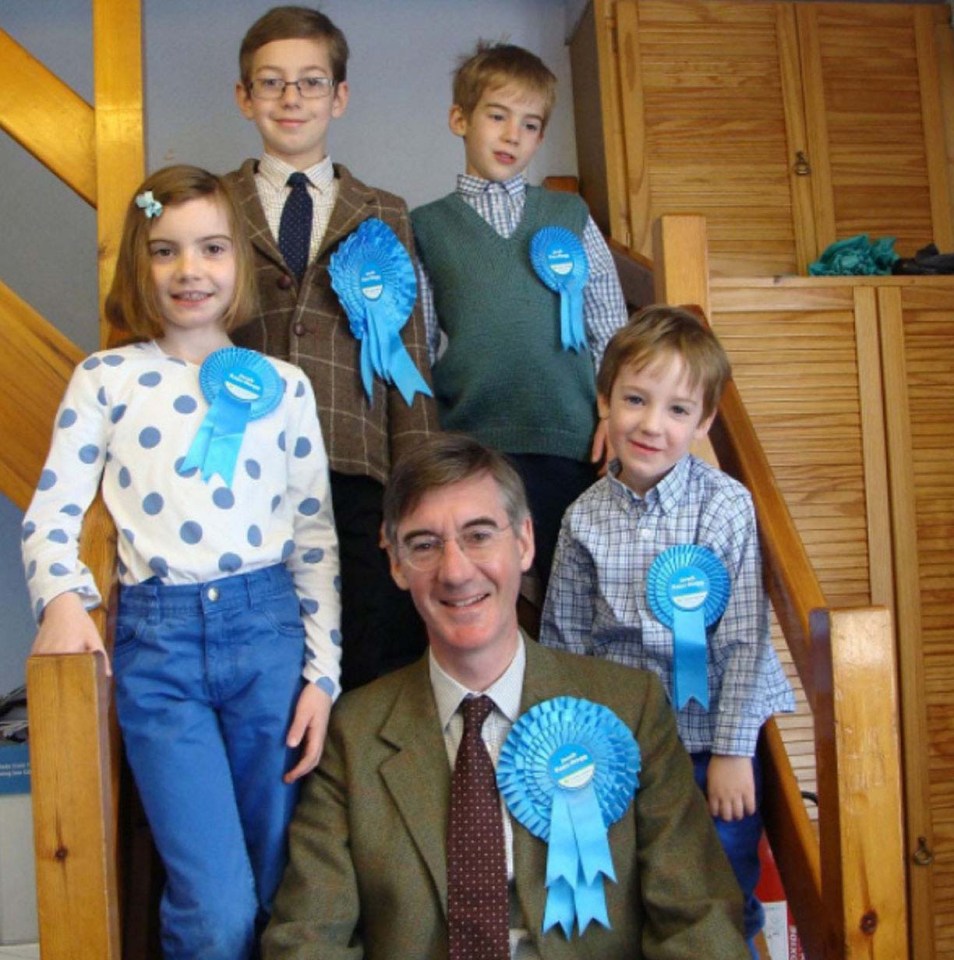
(525, 292)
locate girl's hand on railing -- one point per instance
(66, 627)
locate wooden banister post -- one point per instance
(859, 783)
(73, 807)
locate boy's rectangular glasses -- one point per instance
(273, 88)
(425, 552)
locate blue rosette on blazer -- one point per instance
(568, 770)
(374, 279)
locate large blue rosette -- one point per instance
(239, 385)
(374, 278)
(560, 261)
(688, 589)
(568, 771)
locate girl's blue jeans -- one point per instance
(207, 677)
(740, 840)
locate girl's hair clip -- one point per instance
(149, 204)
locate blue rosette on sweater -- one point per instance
(568, 771)
(239, 385)
(560, 262)
(688, 589)
(374, 279)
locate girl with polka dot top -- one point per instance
(227, 644)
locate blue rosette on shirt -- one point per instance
(688, 589)
(567, 771)
(374, 279)
(239, 385)
(560, 261)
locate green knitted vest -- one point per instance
(504, 377)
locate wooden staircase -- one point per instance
(845, 880)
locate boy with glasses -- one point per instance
(300, 208)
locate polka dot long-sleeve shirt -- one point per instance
(127, 419)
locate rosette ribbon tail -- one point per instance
(218, 440)
(578, 860)
(690, 672)
(572, 331)
(393, 363)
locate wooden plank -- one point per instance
(907, 607)
(47, 118)
(120, 162)
(859, 783)
(36, 361)
(680, 253)
(68, 702)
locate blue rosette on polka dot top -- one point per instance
(374, 279)
(687, 589)
(559, 259)
(568, 770)
(239, 385)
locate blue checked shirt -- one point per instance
(501, 205)
(596, 603)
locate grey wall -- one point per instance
(394, 135)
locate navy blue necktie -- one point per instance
(294, 229)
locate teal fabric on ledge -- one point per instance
(855, 256)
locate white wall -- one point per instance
(394, 135)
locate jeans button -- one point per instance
(212, 593)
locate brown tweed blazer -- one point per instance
(307, 326)
(367, 875)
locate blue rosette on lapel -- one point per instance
(239, 385)
(688, 589)
(374, 279)
(568, 771)
(560, 262)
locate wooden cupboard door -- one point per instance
(874, 122)
(712, 123)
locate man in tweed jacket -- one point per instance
(286, 51)
(367, 874)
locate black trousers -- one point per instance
(552, 483)
(380, 627)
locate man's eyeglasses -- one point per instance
(424, 551)
(273, 88)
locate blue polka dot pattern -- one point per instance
(58, 536)
(113, 360)
(281, 441)
(91, 363)
(276, 502)
(326, 684)
(191, 472)
(47, 480)
(223, 498)
(309, 506)
(336, 637)
(89, 453)
(119, 411)
(29, 528)
(67, 419)
(314, 555)
(124, 478)
(229, 562)
(71, 509)
(149, 438)
(190, 532)
(31, 570)
(253, 468)
(38, 609)
(300, 389)
(153, 503)
(302, 447)
(288, 548)
(101, 397)
(59, 570)
(184, 404)
(254, 536)
(309, 606)
(151, 379)
(159, 566)
(129, 535)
